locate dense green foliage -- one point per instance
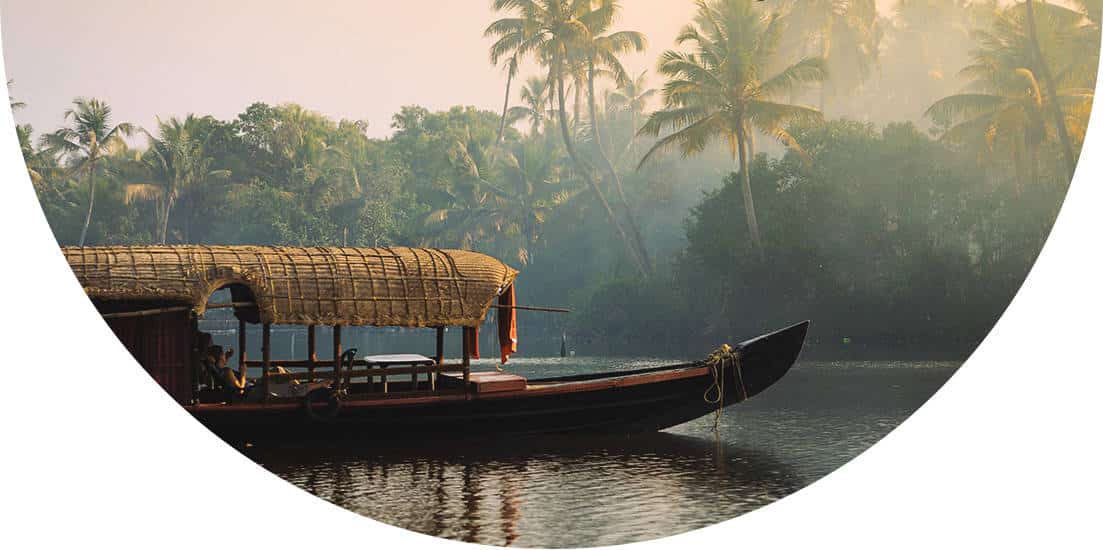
(890, 239)
(902, 233)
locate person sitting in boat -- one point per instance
(215, 359)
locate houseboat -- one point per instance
(152, 297)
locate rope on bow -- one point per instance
(718, 362)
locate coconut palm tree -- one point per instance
(30, 157)
(1050, 89)
(345, 156)
(179, 167)
(511, 70)
(1004, 112)
(927, 41)
(633, 96)
(1005, 106)
(504, 212)
(85, 142)
(535, 95)
(1080, 49)
(1081, 57)
(553, 30)
(527, 191)
(847, 34)
(720, 89)
(514, 42)
(600, 50)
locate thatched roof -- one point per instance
(410, 287)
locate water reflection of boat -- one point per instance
(637, 487)
(152, 297)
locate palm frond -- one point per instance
(805, 71)
(960, 107)
(142, 192)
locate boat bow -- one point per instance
(765, 359)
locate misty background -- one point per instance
(899, 201)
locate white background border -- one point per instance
(1006, 455)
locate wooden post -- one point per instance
(241, 343)
(196, 360)
(311, 351)
(266, 357)
(337, 357)
(439, 356)
(466, 359)
(348, 375)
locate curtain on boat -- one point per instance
(507, 323)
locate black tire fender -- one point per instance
(329, 412)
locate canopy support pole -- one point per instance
(466, 360)
(241, 343)
(196, 360)
(439, 356)
(337, 358)
(266, 358)
(311, 351)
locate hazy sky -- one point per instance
(345, 58)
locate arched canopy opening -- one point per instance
(238, 297)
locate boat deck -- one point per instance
(487, 385)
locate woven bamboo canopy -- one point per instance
(407, 287)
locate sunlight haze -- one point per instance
(356, 60)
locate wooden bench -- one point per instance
(490, 382)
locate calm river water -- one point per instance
(589, 491)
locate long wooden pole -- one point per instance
(145, 312)
(173, 309)
(231, 304)
(534, 308)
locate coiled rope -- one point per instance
(718, 363)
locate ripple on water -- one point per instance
(585, 490)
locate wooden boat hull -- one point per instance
(645, 400)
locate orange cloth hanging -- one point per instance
(507, 323)
(471, 337)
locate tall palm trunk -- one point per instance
(748, 197)
(633, 118)
(91, 201)
(611, 173)
(825, 52)
(1051, 91)
(165, 222)
(584, 171)
(505, 105)
(577, 101)
(749, 134)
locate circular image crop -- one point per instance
(484, 270)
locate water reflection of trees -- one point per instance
(608, 489)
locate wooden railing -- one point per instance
(323, 370)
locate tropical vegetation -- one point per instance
(891, 176)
